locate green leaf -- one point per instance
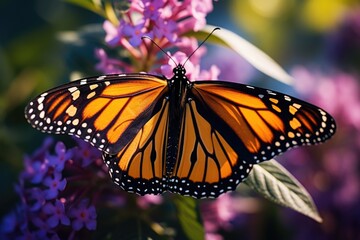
(189, 217)
(275, 183)
(94, 6)
(103, 8)
(248, 51)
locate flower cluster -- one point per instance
(61, 194)
(50, 206)
(164, 22)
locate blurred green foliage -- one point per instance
(290, 31)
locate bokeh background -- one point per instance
(316, 41)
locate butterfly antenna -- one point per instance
(217, 28)
(147, 37)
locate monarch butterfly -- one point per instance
(193, 138)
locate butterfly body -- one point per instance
(178, 86)
(193, 138)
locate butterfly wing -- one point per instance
(107, 111)
(258, 123)
(139, 166)
(207, 164)
(125, 116)
(225, 129)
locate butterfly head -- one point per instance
(179, 70)
(179, 78)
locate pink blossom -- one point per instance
(193, 71)
(188, 45)
(108, 65)
(179, 58)
(84, 216)
(148, 200)
(337, 92)
(112, 34)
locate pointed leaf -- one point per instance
(189, 217)
(275, 183)
(248, 51)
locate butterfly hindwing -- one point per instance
(259, 122)
(139, 166)
(106, 111)
(207, 165)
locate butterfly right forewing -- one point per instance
(261, 123)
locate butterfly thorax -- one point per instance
(177, 99)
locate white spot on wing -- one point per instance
(40, 100)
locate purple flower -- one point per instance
(85, 153)
(37, 165)
(62, 156)
(112, 33)
(134, 33)
(152, 8)
(36, 198)
(35, 170)
(165, 29)
(54, 184)
(40, 223)
(83, 216)
(56, 214)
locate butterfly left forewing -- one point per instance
(106, 111)
(207, 165)
(259, 122)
